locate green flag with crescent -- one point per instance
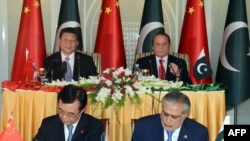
(151, 23)
(234, 60)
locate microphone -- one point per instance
(180, 65)
(78, 61)
(151, 67)
(52, 66)
(63, 69)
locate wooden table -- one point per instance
(30, 107)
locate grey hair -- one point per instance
(174, 97)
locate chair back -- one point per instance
(133, 121)
(105, 135)
(179, 55)
(97, 58)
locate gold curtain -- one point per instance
(30, 107)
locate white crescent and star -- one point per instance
(146, 29)
(202, 54)
(228, 31)
(199, 67)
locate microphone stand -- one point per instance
(151, 68)
(78, 61)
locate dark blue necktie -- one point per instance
(70, 128)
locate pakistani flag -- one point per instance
(234, 61)
(220, 136)
(152, 23)
(202, 67)
(68, 17)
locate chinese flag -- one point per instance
(30, 40)
(28, 69)
(193, 39)
(10, 133)
(109, 39)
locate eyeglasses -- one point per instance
(67, 114)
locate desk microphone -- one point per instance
(170, 66)
(50, 69)
(179, 64)
(151, 67)
(63, 69)
(78, 61)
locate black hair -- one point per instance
(70, 93)
(161, 33)
(69, 30)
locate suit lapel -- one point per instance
(154, 66)
(76, 67)
(80, 128)
(158, 130)
(61, 135)
(183, 133)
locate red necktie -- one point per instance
(162, 72)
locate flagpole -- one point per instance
(235, 115)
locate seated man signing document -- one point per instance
(172, 124)
(70, 123)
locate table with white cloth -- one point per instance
(29, 107)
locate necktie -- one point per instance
(70, 128)
(68, 75)
(170, 133)
(162, 72)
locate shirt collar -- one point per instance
(71, 56)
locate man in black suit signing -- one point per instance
(68, 64)
(161, 64)
(71, 123)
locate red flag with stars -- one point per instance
(109, 39)
(30, 40)
(194, 42)
(10, 132)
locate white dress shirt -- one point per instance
(174, 136)
(71, 59)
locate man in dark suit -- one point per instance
(81, 65)
(71, 102)
(172, 124)
(175, 69)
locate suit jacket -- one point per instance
(149, 62)
(87, 129)
(149, 128)
(83, 66)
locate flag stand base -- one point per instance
(235, 115)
